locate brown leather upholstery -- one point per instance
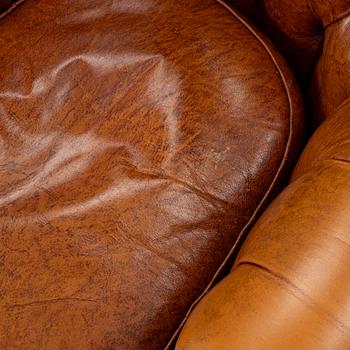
(293, 27)
(297, 27)
(289, 288)
(307, 31)
(139, 141)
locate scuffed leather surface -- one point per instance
(138, 139)
(289, 288)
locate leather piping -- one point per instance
(253, 218)
(11, 8)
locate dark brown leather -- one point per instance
(7, 6)
(293, 28)
(289, 288)
(299, 28)
(139, 141)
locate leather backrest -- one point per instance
(314, 36)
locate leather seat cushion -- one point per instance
(139, 141)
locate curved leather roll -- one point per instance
(140, 139)
(289, 288)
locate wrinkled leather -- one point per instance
(330, 11)
(139, 142)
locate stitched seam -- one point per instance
(271, 187)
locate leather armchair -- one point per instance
(155, 190)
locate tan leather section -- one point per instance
(289, 288)
(139, 141)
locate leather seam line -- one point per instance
(341, 160)
(254, 216)
(11, 8)
(267, 270)
(297, 292)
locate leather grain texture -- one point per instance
(294, 29)
(139, 142)
(310, 33)
(289, 288)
